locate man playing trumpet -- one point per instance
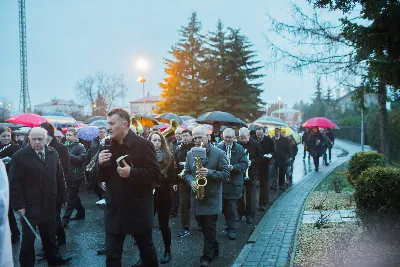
(215, 170)
(232, 188)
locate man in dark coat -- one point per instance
(331, 137)
(282, 156)
(92, 151)
(315, 143)
(232, 189)
(215, 169)
(304, 140)
(36, 182)
(74, 177)
(62, 151)
(255, 155)
(268, 148)
(184, 188)
(130, 202)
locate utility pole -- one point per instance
(24, 102)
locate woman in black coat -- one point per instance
(162, 194)
(7, 150)
(315, 144)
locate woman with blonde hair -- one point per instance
(162, 194)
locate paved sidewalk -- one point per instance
(271, 244)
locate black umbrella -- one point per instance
(220, 118)
(186, 118)
(12, 126)
(167, 117)
(95, 118)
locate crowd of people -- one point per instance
(138, 175)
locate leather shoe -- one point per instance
(239, 218)
(204, 263)
(262, 207)
(139, 263)
(249, 220)
(60, 261)
(102, 251)
(166, 258)
(65, 224)
(232, 235)
(77, 218)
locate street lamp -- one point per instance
(279, 106)
(142, 65)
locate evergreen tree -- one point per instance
(99, 108)
(243, 93)
(182, 88)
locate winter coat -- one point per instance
(180, 156)
(217, 165)
(268, 147)
(77, 159)
(315, 144)
(255, 155)
(36, 185)
(91, 152)
(130, 203)
(63, 154)
(6, 256)
(233, 187)
(8, 151)
(283, 151)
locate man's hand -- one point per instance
(230, 167)
(124, 171)
(103, 186)
(104, 156)
(193, 185)
(22, 212)
(203, 171)
(175, 187)
(249, 163)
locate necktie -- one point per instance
(41, 155)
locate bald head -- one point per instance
(37, 138)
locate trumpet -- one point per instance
(201, 181)
(247, 169)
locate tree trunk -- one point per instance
(383, 120)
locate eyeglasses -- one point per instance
(229, 137)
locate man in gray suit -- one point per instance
(233, 188)
(215, 169)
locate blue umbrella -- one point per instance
(88, 133)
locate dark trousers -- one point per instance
(316, 161)
(281, 175)
(162, 204)
(264, 185)
(47, 231)
(330, 153)
(175, 200)
(208, 224)
(184, 198)
(144, 241)
(74, 201)
(248, 208)
(13, 222)
(59, 229)
(229, 209)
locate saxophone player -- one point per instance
(215, 170)
(232, 189)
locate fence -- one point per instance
(352, 134)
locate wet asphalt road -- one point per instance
(85, 237)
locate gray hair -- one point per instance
(38, 130)
(228, 131)
(200, 129)
(244, 131)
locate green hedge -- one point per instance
(377, 199)
(361, 161)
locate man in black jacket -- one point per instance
(62, 151)
(282, 156)
(268, 148)
(130, 203)
(184, 188)
(304, 141)
(36, 182)
(74, 177)
(255, 154)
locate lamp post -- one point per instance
(142, 66)
(279, 106)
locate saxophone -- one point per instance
(95, 158)
(201, 181)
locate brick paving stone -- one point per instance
(279, 225)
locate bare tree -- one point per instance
(109, 87)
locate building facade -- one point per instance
(146, 105)
(59, 105)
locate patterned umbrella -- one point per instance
(88, 133)
(27, 119)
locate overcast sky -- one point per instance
(68, 40)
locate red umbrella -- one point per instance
(320, 122)
(27, 119)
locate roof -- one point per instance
(60, 102)
(148, 98)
